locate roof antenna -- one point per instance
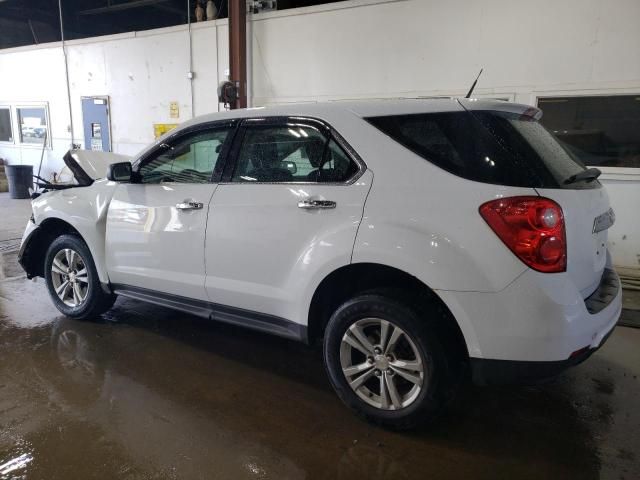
(474, 85)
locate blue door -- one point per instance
(95, 119)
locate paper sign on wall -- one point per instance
(160, 129)
(174, 110)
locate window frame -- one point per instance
(45, 107)
(608, 173)
(287, 121)
(6, 106)
(174, 137)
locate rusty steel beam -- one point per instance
(238, 49)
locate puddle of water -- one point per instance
(145, 392)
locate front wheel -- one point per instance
(72, 279)
(386, 361)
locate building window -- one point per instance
(33, 125)
(6, 130)
(602, 131)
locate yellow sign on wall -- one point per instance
(174, 110)
(160, 129)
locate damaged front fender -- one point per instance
(79, 211)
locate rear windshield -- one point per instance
(501, 148)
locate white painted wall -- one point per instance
(140, 72)
(141, 76)
(36, 75)
(354, 49)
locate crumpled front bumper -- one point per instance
(29, 234)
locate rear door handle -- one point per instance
(316, 204)
(190, 206)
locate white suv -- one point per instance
(417, 240)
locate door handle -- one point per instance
(316, 204)
(189, 206)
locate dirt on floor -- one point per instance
(145, 392)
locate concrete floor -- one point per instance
(14, 215)
(144, 392)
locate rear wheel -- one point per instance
(385, 359)
(72, 279)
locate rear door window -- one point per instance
(486, 146)
(291, 153)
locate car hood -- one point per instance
(88, 165)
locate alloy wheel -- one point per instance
(382, 364)
(70, 277)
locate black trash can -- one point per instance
(20, 179)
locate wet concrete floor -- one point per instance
(147, 393)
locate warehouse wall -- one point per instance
(34, 75)
(355, 49)
(141, 73)
(430, 47)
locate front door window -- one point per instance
(189, 160)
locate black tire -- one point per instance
(419, 322)
(97, 301)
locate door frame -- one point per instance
(283, 120)
(108, 100)
(172, 285)
(176, 136)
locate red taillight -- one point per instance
(532, 228)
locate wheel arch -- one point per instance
(35, 248)
(349, 280)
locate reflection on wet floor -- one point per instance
(145, 392)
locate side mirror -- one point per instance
(119, 172)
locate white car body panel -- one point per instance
(265, 254)
(84, 208)
(539, 317)
(420, 219)
(154, 245)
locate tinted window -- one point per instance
(6, 134)
(291, 153)
(492, 147)
(189, 160)
(336, 166)
(533, 147)
(600, 130)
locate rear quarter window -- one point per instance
(491, 147)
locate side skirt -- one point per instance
(213, 311)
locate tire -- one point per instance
(83, 297)
(421, 342)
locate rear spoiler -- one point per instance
(525, 111)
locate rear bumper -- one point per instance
(508, 372)
(534, 327)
